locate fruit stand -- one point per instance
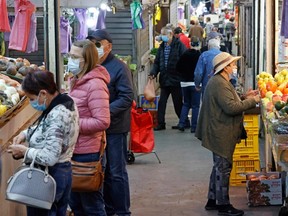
(274, 94)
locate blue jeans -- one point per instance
(87, 203)
(62, 174)
(219, 180)
(191, 100)
(116, 184)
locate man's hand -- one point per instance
(197, 88)
(151, 76)
(251, 93)
(20, 138)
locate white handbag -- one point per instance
(32, 186)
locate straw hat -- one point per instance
(223, 59)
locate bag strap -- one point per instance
(103, 144)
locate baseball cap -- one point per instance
(213, 35)
(99, 35)
(177, 30)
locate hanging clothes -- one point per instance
(65, 35)
(81, 15)
(136, 15)
(101, 19)
(11, 19)
(4, 24)
(32, 45)
(157, 14)
(21, 28)
(284, 21)
(2, 44)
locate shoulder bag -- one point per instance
(32, 186)
(88, 176)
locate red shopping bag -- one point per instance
(141, 133)
(4, 24)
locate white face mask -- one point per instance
(74, 66)
(100, 51)
(234, 72)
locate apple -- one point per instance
(269, 106)
(278, 92)
(276, 98)
(285, 97)
(269, 95)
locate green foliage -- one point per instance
(153, 51)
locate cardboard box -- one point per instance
(264, 188)
(150, 105)
(154, 115)
(264, 199)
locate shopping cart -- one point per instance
(141, 134)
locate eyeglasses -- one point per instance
(98, 44)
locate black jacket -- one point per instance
(121, 94)
(187, 64)
(168, 76)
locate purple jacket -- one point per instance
(91, 96)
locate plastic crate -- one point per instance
(251, 145)
(241, 167)
(251, 121)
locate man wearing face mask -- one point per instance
(165, 62)
(204, 67)
(116, 183)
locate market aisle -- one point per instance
(178, 186)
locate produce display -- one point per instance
(17, 67)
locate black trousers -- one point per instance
(176, 98)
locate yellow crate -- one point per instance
(251, 121)
(241, 168)
(251, 145)
(246, 156)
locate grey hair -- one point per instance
(166, 30)
(214, 43)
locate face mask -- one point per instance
(74, 66)
(234, 73)
(100, 51)
(35, 104)
(165, 38)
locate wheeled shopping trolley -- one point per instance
(141, 139)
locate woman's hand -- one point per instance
(251, 93)
(17, 150)
(20, 138)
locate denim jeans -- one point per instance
(62, 174)
(88, 203)
(219, 180)
(191, 100)
(116, 184)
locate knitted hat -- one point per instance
(223, 59)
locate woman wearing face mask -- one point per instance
(51, 138)
(90, 93)
(165, 63)
(219, 128)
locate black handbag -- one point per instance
(244, 134)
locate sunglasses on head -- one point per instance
(98, 44)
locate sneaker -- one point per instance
(229, 210)
(181, 129)
(193, 130)
(160, 127)
(175, 127)
(211, 205)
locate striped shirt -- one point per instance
(167, 49)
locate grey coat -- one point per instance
(221, 116)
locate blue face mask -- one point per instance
(165, 38)
(35, 104)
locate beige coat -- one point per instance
(221, 116)
(197, 31)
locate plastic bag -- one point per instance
(149, 91)
(4, 24)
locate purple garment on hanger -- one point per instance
(180, 13)
(101, 19)
(11, 19)
(81, 15)
(32, 44)
(65, 35)
(284, 21)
